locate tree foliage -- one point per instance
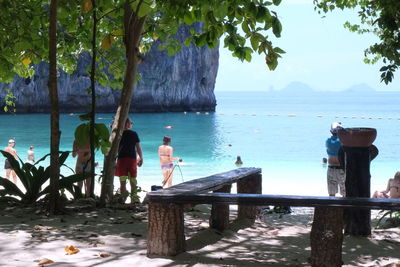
(126, 31)
(380, 17)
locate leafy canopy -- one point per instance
(242, 25)
(380, 17)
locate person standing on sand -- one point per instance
(31, 155)
(130, 156)
(335, 175)
(82, 164)
(165, 152)
(393, 188)
(7, 166)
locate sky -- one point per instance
(320, 52)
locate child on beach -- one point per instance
(393, 188)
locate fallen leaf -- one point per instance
(71, 250)
(104, 255)
(44, 261)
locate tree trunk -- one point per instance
(327, 237)
(249, 185)
(55, 115)
(357, 221)
(93, 107)
(133, 27)
(166, 235)
(219, 218)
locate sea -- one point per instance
(282, 134)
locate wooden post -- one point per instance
(327, 237)
(166, 235)
(219, 218)
(249, 185)
(357, 221)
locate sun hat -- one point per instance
(11, 141)
(335, 127)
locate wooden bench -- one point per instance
(166, 223)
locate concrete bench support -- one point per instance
(219, 218)
(327, 237)
(166, 235)
(249, 185)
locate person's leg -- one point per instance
(8, 172)
(122, 187)
(342, 181)
(14, 175)
(165, 175)
(170, 173)
(332, 183)
(134, 194)
(88, 183)
(79, 170)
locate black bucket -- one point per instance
(156, 187)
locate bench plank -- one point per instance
(284, 200)
(209, 183)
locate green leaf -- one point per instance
(189, 18)
(278, 50)
(102, 131)
(245, 26)
(276, 2)
(85, 117)
(145, 8)
(188, 41)
(254, 42)
(276, 27)
(82, 134)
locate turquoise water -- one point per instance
(282, 135)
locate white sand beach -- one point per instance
(117, 237)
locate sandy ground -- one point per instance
(117, 237)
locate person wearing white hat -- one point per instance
(9, 170)
(335, 175)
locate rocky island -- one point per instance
(183, 82)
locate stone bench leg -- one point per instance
(327, 237)
(219, 218)
(166, 235)
(249, 185)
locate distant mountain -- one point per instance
(296, 88)
(360, 88)
(302, 89)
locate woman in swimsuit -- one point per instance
(392, 189)
(165, 152)
(9, 170)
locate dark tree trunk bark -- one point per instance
(133, 27)
(166, 235)
(55, 115)
(93, 105)
(357, 221)
(219, 218)
(327, 237)
(250, 185)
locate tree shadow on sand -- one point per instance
(276, 240)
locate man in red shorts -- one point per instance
(129, 157)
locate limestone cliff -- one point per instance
(184, 82)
